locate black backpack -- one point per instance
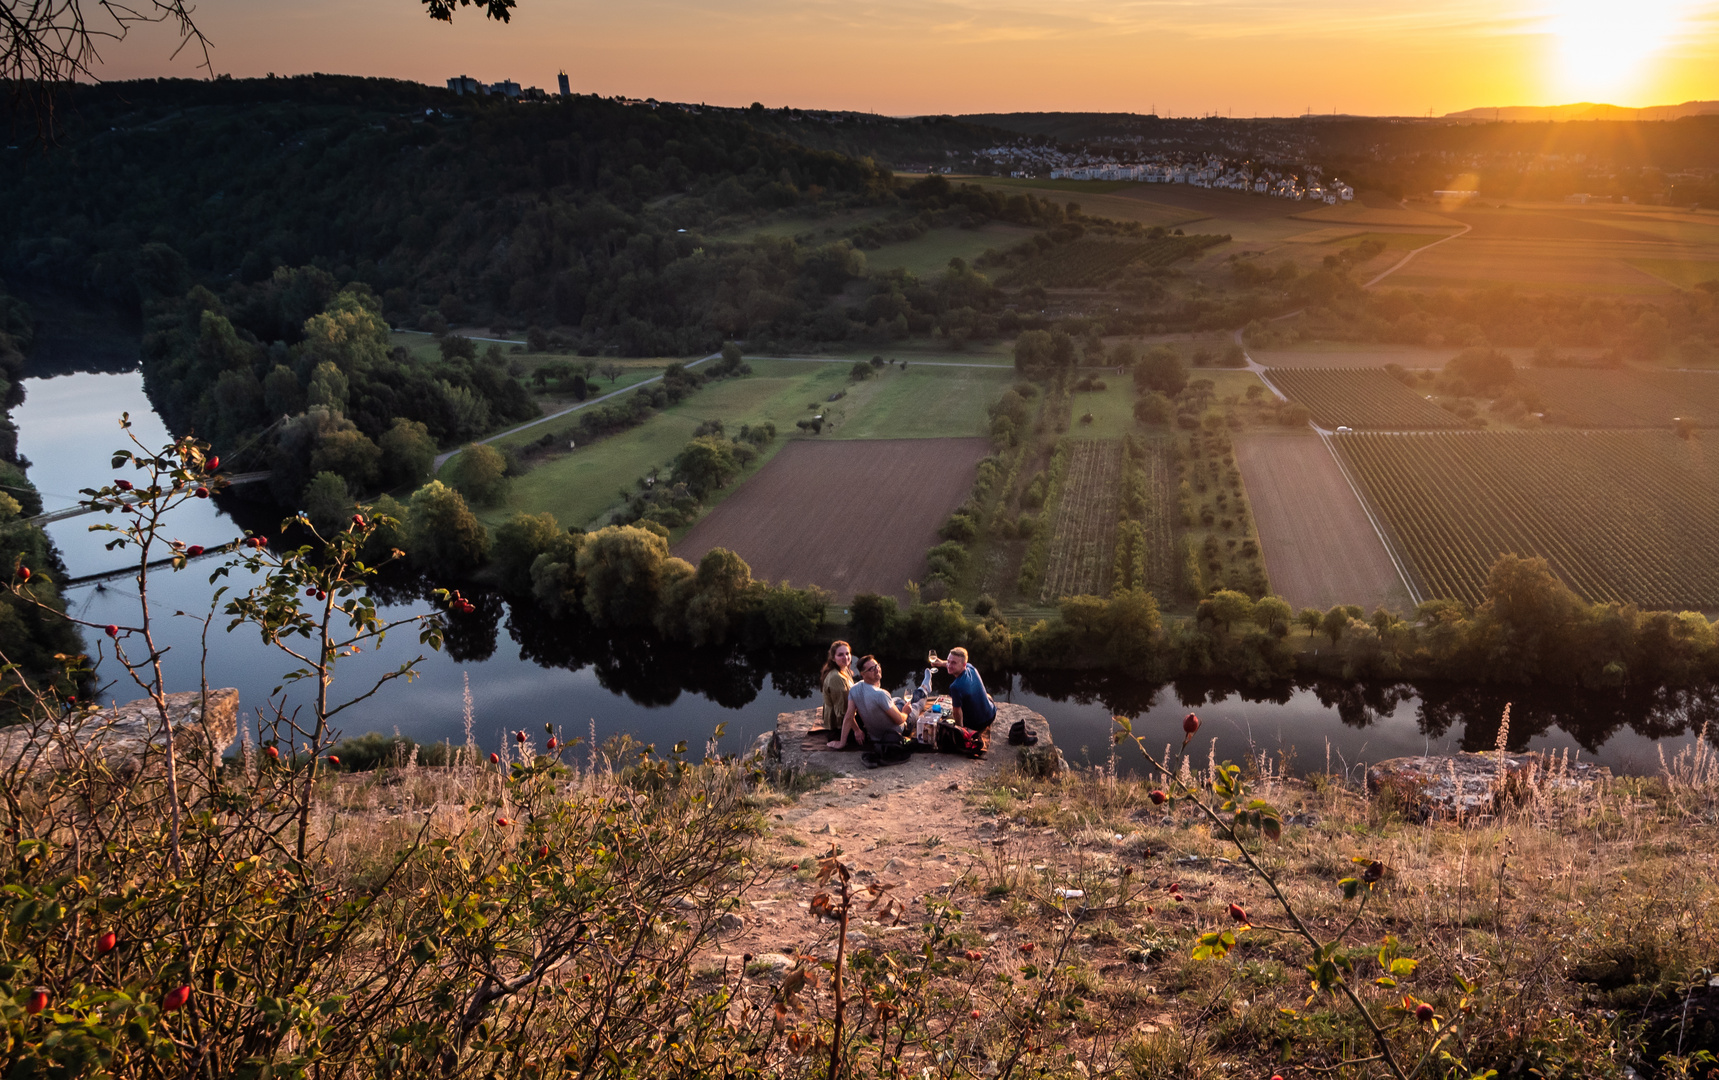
(952, 738)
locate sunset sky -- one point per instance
(1246, 57)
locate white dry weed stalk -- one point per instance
(1166, 760)
(247, 751)
(470, 718)
(1212, 763)
(1502, 748)
(1187, 776)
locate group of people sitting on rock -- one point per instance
(865, 713)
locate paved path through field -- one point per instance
(1321, 547)
(441, 459)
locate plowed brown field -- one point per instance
(1320, 548)
(852, 516)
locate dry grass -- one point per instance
(1582, 916)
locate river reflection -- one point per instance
(523, 668)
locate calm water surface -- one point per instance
(522, 675)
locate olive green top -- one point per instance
(836, 686)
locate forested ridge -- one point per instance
(584, 213)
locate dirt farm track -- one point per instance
(853, 516)
(1319, 547)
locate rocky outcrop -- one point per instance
(122, 735)
(1467, 786)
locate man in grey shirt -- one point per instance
(870, 707)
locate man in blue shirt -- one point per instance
(974, 708)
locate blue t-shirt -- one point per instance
(967, 693)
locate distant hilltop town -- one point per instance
(507, 88)
(1213, 172)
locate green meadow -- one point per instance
(579, 486)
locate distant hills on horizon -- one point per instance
(1587, 110)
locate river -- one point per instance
(520, 675)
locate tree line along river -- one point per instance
(523, 671)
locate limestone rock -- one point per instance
(1471, 785)
(123, 734)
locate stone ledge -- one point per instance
(1472, 785)
(122, 734)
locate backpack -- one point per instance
(954, 739)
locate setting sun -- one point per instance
(1605, 49)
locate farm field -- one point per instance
(1683, 273)
(1117, 200)
(1082, 546)
(930, 254)
(797, 520)
(1146, 559)
(1357, 213)
(1605, 398)
(1112, 408)
(1087, 263)
(923, 402)
(1347, 354)
(1360, 398)
(1627, 517)
(1589, 267)
(929, 401)
(1320, 547)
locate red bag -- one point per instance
(955, 739)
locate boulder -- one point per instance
(1473, 785)
(123, 734)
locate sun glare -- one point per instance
(1604, 48)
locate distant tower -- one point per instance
(565, 90)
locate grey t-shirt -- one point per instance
(873, 705)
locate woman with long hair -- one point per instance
(837, 677)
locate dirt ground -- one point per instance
(852, 516)
(1319, 547)
(906, 825)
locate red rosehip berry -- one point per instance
(201, 492)
(332, 760)
(553, 743)
(37, 1001)
(275, 753)
(974, 955)
(310, 593)
(24, 573)
(107, 942)
(495, 759)
(1424, 1013)
(212, 465)
(1276, 1076)
(1158, 798)
(176, 999)
(1028, 947)
(1175, 886)
(123, 485)
(1238, 913)
(543, 851)
(503, 822)
(520, 737)
(975, 1014)
(358, 520)
(194, 550)
(112, 630)
(1190, 723)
